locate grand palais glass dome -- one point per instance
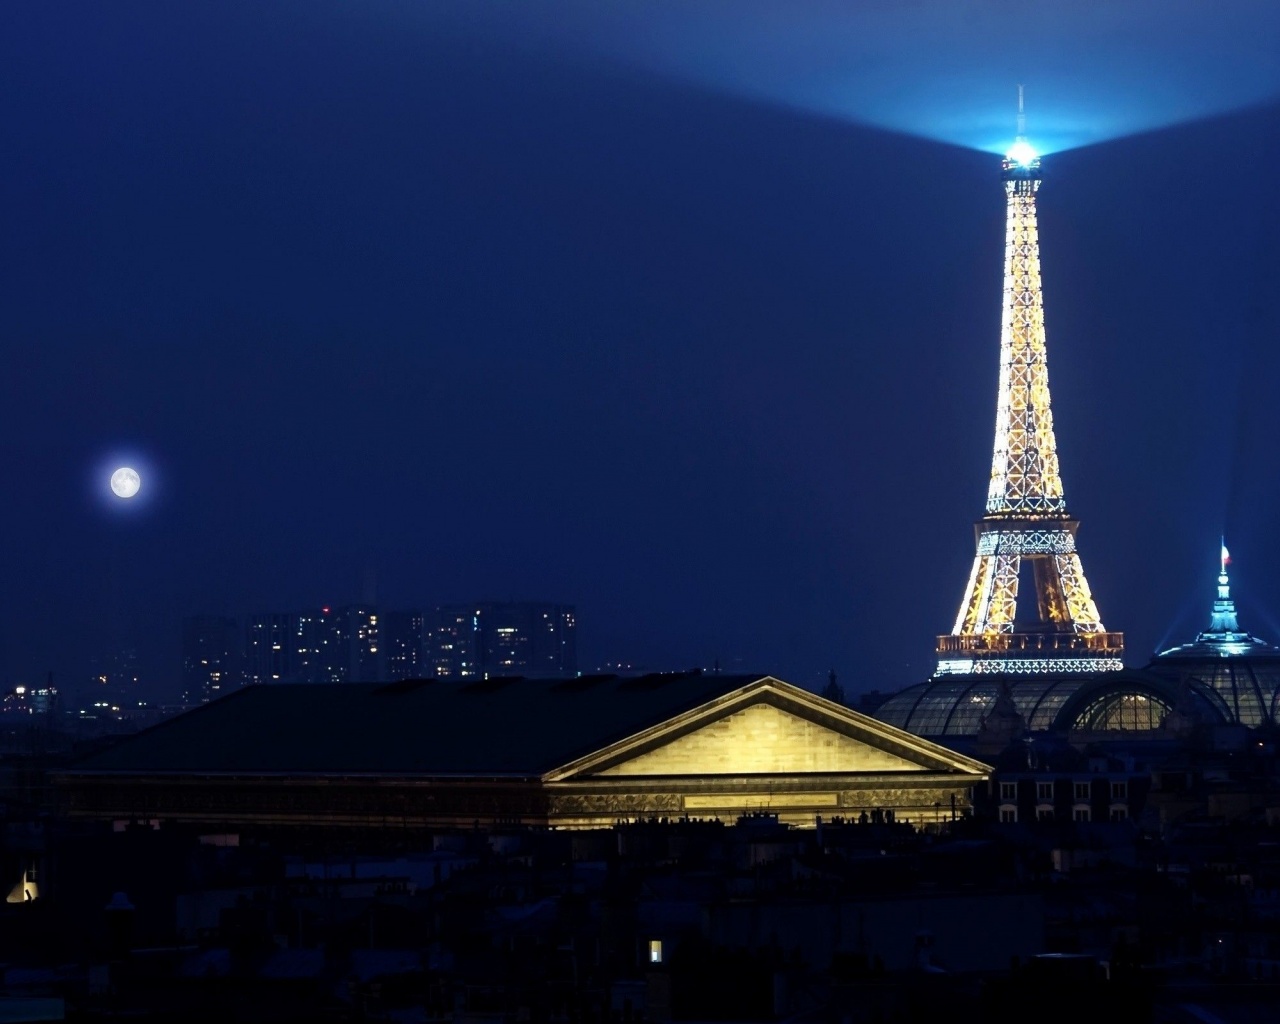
(1128, 701)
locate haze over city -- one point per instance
(444, 305)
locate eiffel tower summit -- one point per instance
(1027, 539)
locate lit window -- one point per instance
(655, 951)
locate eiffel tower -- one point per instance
(1027, 531)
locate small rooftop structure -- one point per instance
(1241, 668)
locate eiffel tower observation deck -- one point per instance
(1027, 536)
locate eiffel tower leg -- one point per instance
(1075, 591)
(991, 598)
(976, 595)
(1050, 598)
(1003, 605)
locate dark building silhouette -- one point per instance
(323, 646)
(340, 645)
(401, 645)
(211, 646)
(114, 680)
(362, 627)
(475, 641)
(271, 648)
(319, 647)
(351, 644)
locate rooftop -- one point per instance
(497, 727)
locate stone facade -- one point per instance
(765, 747)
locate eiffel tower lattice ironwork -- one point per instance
(1027, 519)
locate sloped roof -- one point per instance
(510, 726)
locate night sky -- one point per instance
(477, 301)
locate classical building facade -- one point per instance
(569, 753)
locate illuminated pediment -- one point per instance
(767, 728)
(762, 738)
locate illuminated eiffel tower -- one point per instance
(1027, 531)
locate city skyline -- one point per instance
(479, 319)
(352, 351)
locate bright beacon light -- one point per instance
(1022, 153)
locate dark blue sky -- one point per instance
(365, 293)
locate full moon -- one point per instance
(125, 482)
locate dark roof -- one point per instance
(508, 726)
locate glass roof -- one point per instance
(1248, 686)
(956, 705)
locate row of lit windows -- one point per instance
(1081, 790)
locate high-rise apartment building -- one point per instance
(513, 638)
(359, 644)
(320, 647)
(211, 647)
(114, 678)
(271, 648)
(401, 645)
(352, 644)
(339, 645)
(365, 653)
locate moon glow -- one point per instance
(125, 482)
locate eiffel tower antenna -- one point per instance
(1027, 518)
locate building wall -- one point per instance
(923, 799)
(231, 801)
(1109, 795)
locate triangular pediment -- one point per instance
(768, 728)
(762, 738)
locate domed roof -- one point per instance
(1098, 702)
(1242, 669)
